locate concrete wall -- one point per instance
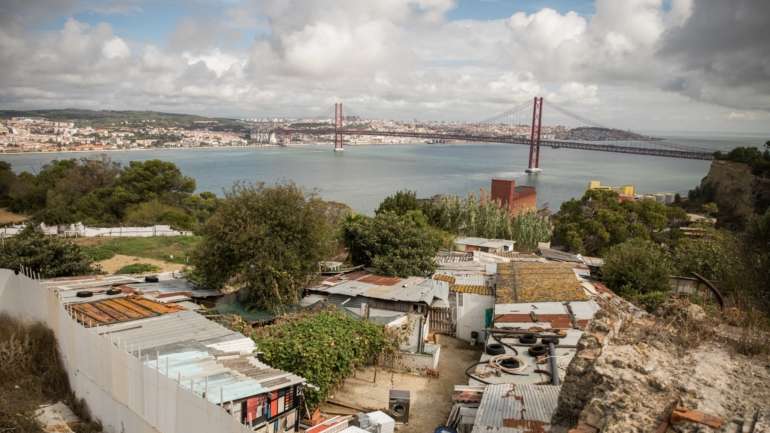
(79, 230)
(409, 325)
(123, 393)
(471, 315)
(414, 362)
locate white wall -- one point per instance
(412, 322)
(120, 391)
(471, 315)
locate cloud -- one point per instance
(631, 60)
(722, 53)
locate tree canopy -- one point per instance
(99, 191)
(265, 241)
(599, 220)
(50, 256)
(402, 245)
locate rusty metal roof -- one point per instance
(119, 310)
(509, 408)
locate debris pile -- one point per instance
(638, 373)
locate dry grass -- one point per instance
(8, 217)
(31, 375)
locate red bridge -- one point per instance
(651, 146)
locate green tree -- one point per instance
(7, 181)
(599, 220)
(402, 245)
(638, 269)
(264, 241)
(153, 179)
(400, 203)
(48, 255)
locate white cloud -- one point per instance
(391, 58)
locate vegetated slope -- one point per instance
(31, 374)
(632, 367)
(111, 117)
(737, 192)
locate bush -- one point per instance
(324, 348)
(638, 269)
(138, 268)
(49, 255)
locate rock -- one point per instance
(696, 313)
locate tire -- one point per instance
(495, 349)
(113, 292)
(528, 339)
(151, 279)
(537, 350)
(547, 340)
(84, 294)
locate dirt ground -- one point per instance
(116, 262)
(7, 217)
(430, 397)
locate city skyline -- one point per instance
(642, 64)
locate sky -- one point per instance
(644, 65)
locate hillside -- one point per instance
(102, 118)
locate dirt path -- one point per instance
(430, 397)
(8, 217)
(117, 261)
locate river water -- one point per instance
(363, 175)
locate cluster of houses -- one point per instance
(527, 312)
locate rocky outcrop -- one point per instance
(632, 368)
(736, 191)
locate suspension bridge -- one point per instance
(609, 140)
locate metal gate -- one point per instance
(440, 321)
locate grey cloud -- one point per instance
(723, 53)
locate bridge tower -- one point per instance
(338, 147)
(534, 137)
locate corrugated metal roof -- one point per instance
(118, 309)
(412, 289)
(512, 408)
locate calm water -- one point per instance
(364, 175)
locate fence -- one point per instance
(124, 393)
(79, 230)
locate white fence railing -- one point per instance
(125, 394)
(79, 230)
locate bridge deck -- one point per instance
(669, 153)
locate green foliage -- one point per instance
(324, 348)
(7, 181)
(176, 249)
(138, 268)
(402, 245)
(155, 212)
(265, 241)
(399, 203)
(637, 269)
(48, 255)
(485, 218)
(599, 221)
(100, 192)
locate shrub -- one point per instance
(638, 269)
(137, 268)
(48, 255)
